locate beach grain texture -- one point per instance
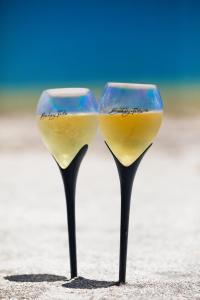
(164, 236)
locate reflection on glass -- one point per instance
(67, 119)
(130, 117)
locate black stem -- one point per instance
(69, 176)
(126, 177)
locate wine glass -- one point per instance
(130, 116)
(67, 120)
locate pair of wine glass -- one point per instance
(129, 116)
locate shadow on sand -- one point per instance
(84, 283)
(76, 283)
(35, 278)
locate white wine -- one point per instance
(129, 134)
(65, 134)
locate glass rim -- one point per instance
(131, 86)
(67, 92)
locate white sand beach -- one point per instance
(164, 236)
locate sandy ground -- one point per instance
(164, 237)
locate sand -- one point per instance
(164, 237)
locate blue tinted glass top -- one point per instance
(130, 96)
(66, 100)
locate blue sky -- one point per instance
(94, 41)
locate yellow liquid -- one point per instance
(65, 135)
(128, 135)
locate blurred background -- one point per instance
(48, 44)
(87, 43)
